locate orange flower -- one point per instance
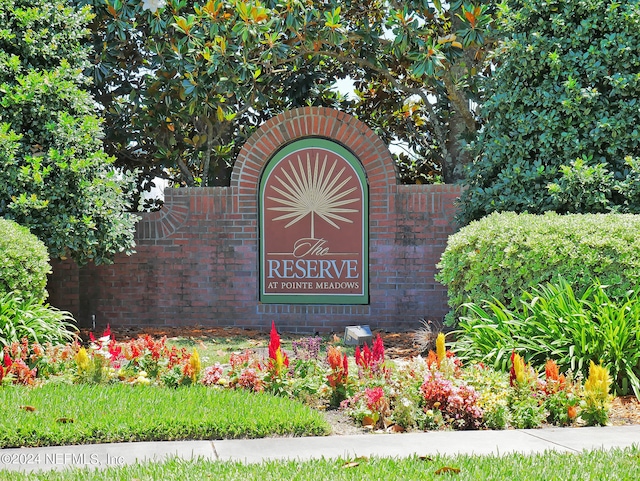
(432, 358)
(339, 367)
(551, 370)
(334, 357)
(555, 381)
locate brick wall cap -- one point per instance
(306, 122)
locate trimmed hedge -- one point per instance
(505, 254)
(24, 262)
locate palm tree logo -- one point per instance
(307, 190)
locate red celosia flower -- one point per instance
(274, 341)
(156, 347)
(7, 360)
(362, 356)
(512, 370)
(370, 360)
(277, 357)
(135, 351)
(115, 350)
(378, 350)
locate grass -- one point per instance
(218, 349)
(617, 464)
(58, 414)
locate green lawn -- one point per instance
(218, 349)
(57, 414)
(612, 465)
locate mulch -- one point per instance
(625, 410)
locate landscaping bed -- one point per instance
(624, 410)
(93, 389)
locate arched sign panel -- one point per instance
(314, 226)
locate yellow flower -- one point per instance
(279, 360)
(598, 382)
(596, 403)
(441, 350)
(194, 361)
(519, 368)
(82, 360)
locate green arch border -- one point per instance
(344, 299)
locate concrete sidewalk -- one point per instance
(382, 445)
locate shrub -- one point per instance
(28, 318)
(503, 255)
(565, 88)
(24, 262)
(54, 176)
(552, 322)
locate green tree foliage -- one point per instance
(54, 176)
(24, 262)
(184, 83)
(562, 120)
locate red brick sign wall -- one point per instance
(198, 260)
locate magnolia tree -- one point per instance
(562, 117)
(54, 176)
(184, 83)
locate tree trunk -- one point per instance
(186, 173)
(207, 155)
(462, 123)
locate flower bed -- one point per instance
(434, 392)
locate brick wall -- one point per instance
(197, 258)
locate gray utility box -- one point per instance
(357, 335)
